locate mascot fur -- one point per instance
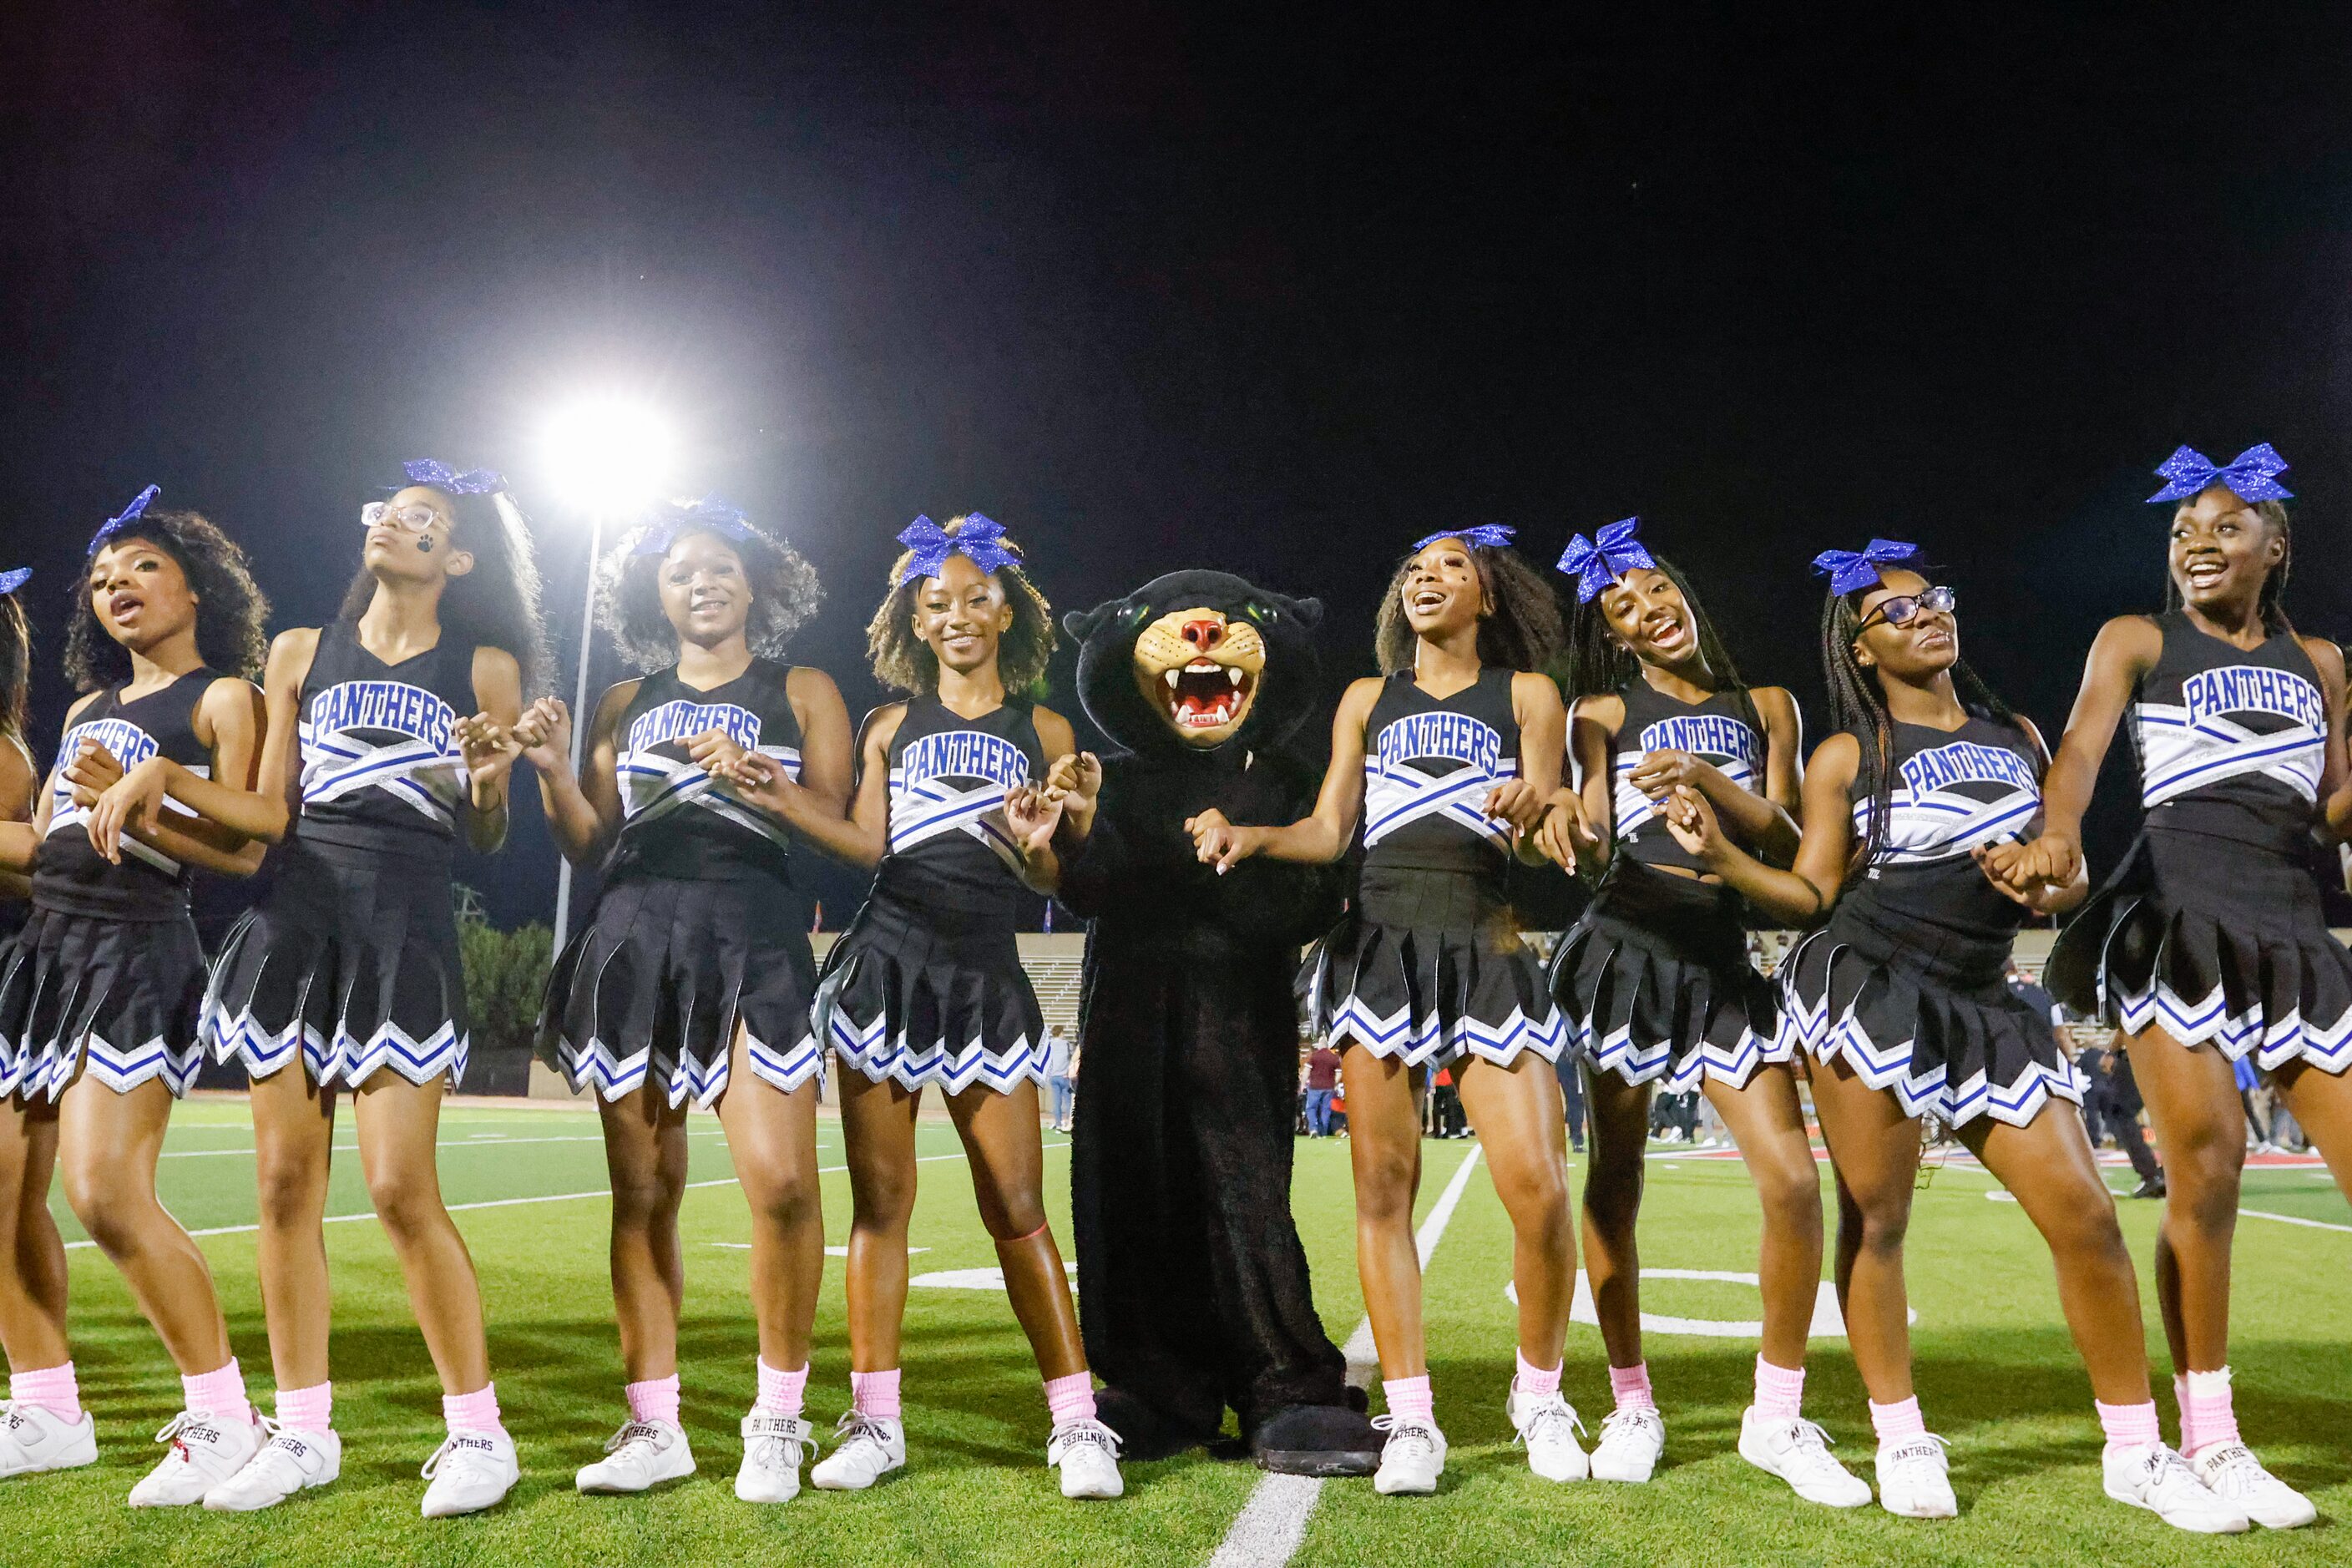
(1192, 1285)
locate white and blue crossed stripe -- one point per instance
(2188, 745)
(1398, 794)
(1930, 819)
(423, 770)
(954, 782)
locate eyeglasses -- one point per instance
(1898, 610)
(414, 519)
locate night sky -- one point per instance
(1159, 290)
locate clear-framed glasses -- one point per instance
(1898, 610)
(414, 519)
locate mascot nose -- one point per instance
(1204, 635)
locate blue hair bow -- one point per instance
(2251, 475)
(979, 539)
(443, 478)
(1850, 569)
(12, 581)
(123, 519)
(1609, 554)
(1483, 536)
(710, 513)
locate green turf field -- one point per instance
(1996, 1377)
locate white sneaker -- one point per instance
(1797, 1450)
(2161, 1481)
(205, 1451)
(871, 1447)
(1632, 1439)
(1914, 1479)
(32, 1438)
(641, 1454)
(1413, 1457)
(469, 1471)
(772, 1448)
(2231, 1473)
(285, 1464)
(1087, 1452)
(1547, 1423)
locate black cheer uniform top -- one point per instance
(69, 873)
(2232, 740)
(1716, 731)
(382, 769)
(1954, 791)
(1429, 765)
(676, 820)
(950, 854)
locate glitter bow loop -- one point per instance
(2251, 475)
(981, 538)
(1607, 557)
(710, 513)
(12, 581)
(125, 518)
(443, 478)
(1848, 570)
(1482, 536)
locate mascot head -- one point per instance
(1200, 660)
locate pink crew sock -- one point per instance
(307, 1409)
(2128, 1425)
(782, 1392)
(2206, 1416)
(1411, 1399)
(220, 1392)
(874, 1393)
(1070, 1398)
(1630, 1386)
(656, 1399)
(1892, 1422)
(475, 1412)
(51, 1388)
(1533, 1378)
(1779, 1391)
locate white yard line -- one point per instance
(1268, 1531)
(500, 1141)
(2293, 1219)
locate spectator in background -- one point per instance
(1057, 1077)
(1445, 1118)
(1571, 1085)
(1322, 1086)
(2120, 1109)
(2250, 1084)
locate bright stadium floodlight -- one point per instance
(609, 456)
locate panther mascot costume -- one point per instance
(1192, 1285)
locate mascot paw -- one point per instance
(1317, 1440)
(1144, 1434)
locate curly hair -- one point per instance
(231, 609)
(1596, 664)
(496, 604)
(2272, 604)
(16, 666)
(1523, 633)
(902, 660)
(784, 593)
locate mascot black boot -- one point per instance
(1193, 1294)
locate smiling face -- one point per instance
(705, 593)
(1200, 670)
(1921, 649)
(140, 593)
(1648, 617)
(962, 615)
(2221, 550)
(1442, 589)
(392, 552)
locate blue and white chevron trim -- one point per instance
(687, 1081)
(1429, 1037)
(873, 1051)
(2272, 1042)
(2015, 1104)
(48, 1070)
(1618, 1052)
(344, 1059)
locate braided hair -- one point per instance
(2270, 605)
(1597, 665)
(1858, 704)
(1523, 633)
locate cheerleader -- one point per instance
(20, 775)
(1901, 1000)
(691, 984)
(926, 986)
(100, 992)
(391, 728)
(1449, 759)
(2209, 945)
(1656, 985)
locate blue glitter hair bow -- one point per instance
(441, 477)
(12, 581)
(710, 513)
(2251, 475)
(1850, 569)
(980, 538)
(1609, 554)
(1483, 536)
(125, 518)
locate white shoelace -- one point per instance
(1550, 1412)
(1807, 1438)
(461, 1455)
(1631, 1417)
(636, 1432)
(855, 1426)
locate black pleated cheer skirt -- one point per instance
(922, 1001)
(1429, 966)
(1656, 983)
(121, 997)
(653, 991)
(2212, 940)
(1923, 1011)
(351, 961)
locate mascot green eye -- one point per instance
(1131, 618)
(1261, 611)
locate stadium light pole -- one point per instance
(609, 456)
